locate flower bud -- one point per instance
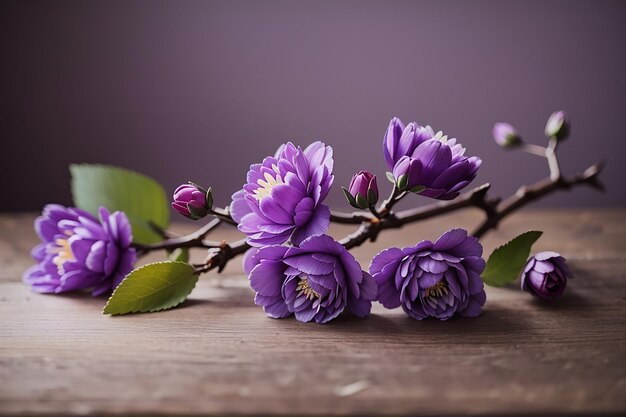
(192, 201)
(363, 190)
(506, 136)
(408, 173)
(558, 125)
(545, 275)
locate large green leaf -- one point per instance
(506, 262)
(153, 287)
(140, 197)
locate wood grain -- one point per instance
(219, 354)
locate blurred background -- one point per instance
(187, 90)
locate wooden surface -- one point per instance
(219, 353)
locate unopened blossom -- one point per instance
(79, 251)
(282, 199)
(506, 135)
(363, 190)
(558, 125)
(546, 275)
(429, 279)
(316, 281)
(192, 201)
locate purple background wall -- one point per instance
(199, 90)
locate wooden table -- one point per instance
(219, 353)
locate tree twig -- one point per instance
(193, 240)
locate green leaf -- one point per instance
(361, 202)
(153, 287)
(390, 177)
(140, 197)
(506, 262)
(418, 189)
(179, 255)
(349, 197)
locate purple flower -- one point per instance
(433, 279)
(558, 125)
(316, 281)
(363, 190)
(506, 135)
(283, 197)
(79, 251)
(438, 168)
(192, 201)
(401, 141)
(545, 275)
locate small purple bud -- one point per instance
(558, 125)
(545, 275)
(408, 173)
(506, 136)
(363, 190)
(192, 201)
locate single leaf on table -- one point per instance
(140, 197)
(153, 287)
(506, 262)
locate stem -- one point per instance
(533, 149)
(193, 240)
(526, 194)
(224, 215)
(219, 257)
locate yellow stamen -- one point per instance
(303, 288)
(438, 290)
(64, 254)
(266, 186)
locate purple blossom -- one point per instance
(545, 275)
(80, 251)
(401, 141)
(192, 201)
(283, 197)
(433, 279)
(437, 166)
(316, 281)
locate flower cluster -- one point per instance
(293, 266)
(80, 251)
(313, 276)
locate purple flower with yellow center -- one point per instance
(314, 282)
(283, 197)
(437, 168)
(545, 275)
(80, 251)
(401, 141)
(438, 279)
